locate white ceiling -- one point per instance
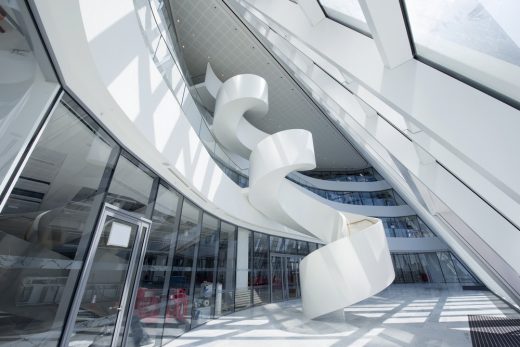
(207, 31)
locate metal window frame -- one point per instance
(112, 211)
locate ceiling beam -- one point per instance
(387, 26)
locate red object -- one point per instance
(147, 303)
(177, 304)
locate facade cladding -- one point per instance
(96, 249)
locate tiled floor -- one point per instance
(402, 315)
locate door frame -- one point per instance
(135, 263)
(285, 275)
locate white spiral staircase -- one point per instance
(355, 262)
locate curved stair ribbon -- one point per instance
(355, 262)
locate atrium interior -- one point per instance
(259, 172)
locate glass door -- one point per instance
(278, 281)
(293, 277)
(103, 299)
(285, 277)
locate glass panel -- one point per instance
(261, 269)
(291, 246)
(277, 245)
(463, 274)
(277, 279)
(130, 187)
(312, 247)
(103, 295)
(303, 248)
(178, 311)
(418, 273)
(347, 12)
(243, 278)
(27, 84)
(293, 277)
(397, 269)
(448, 269)
(225, 297)
(432, 267)
(147, 322)
(402, 264)
(479, 39)
(204, 291)
(47, 223)
(426, 231)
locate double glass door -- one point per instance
(285, 277)
(99, 315)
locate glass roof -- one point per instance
(479, 39)
(346, 12)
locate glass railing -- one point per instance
(156, 26)
(365, 175)
(386, 197)
(406, 226)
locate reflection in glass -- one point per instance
(406, 226)
(204, 291)
(261, 269)
(347, 12)
(27, 83)
(463, 273)
(478, 39)
(46, 225)
(448, 269)
(130, 187)
(433, 267)
(150, 305)
(293, 277)
(102, 299)
(178, 311)
(278, 281)
(225, 290)
(277, 245)
(303, 248)
(291, 246)
(244, 269)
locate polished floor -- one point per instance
(401, 315)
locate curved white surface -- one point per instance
(355, 263)
(238, 95)
(212, 82)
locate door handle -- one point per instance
(114, 308)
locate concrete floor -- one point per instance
(401, 315)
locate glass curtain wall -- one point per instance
(431, 267)
(365, 175)
(27, 84)
(195, 267)
(380, 198)
(131, 186)
(406, 226)
(205, 275)
(180, 296)
(225, 289)
(261, 269)
(243, 293)
(46, 225)
(148, 320)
